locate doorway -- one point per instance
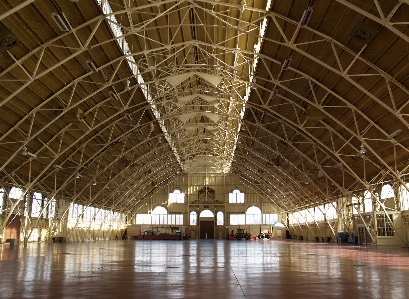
(363, 237)
(206, 229)
(12, 230)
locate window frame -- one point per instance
(236, 197)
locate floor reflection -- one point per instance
(208, 269)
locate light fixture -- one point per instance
(91, 66)
(286, 63)
(113, 95)
(27, 153)
(393, 134)
(59, 21)
(75, 1)
(338, 165)
(362, 151)
(127, 88)
(128, 116)
(320, 173)
(152, 128)
(94, 182)
(77, 175)
(55, 166)
(306, 16)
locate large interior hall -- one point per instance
(196, 148)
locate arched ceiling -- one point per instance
(102, 98)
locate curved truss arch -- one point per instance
(231, 65)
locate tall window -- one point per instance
(52, 206)
(36, 205)
(220, 218)
(177, 197)
(236, 197)
(253, 215)
(193, 218)
(387, 192)
(404, 197)
(385, 229)
(75, 211)
(1, 200)
(356, 205)
(368, 201)
(15, 193)
(270, 219)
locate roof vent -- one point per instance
(8, 40)
(363, 32)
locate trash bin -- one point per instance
(355, 242)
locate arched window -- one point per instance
(193, 218)
(206, 213)
(52, 206)
(387, 192)
(15, 193)
(159, 215)
(36, 205)
(177, 197)
(220, 218)
(253, 215)
(368, 201)
(236, 196)
(356, 205)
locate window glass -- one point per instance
(237, 219)
(176, 197)
(404, 197)
(15, 193)
(220, 218)
(206, 213)
(270, 219)
(367, 201)
(193, 218)
(236, 197)
(387, 192)
(253, 215)
(1, 200)
(385, 229)
(51, 208)
(36, 205)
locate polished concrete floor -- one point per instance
(208, 269)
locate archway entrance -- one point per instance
(206, 224)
